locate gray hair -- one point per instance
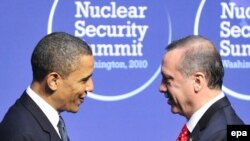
(200, 55)
(57, 52)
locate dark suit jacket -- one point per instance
(213, 124)
(25, 121)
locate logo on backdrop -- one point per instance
(124, 40)
(231, 32)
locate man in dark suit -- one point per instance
(192, 77)
(62, 75)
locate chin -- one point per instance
(75, 110)
(175, 110)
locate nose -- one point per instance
(90, 85)
(162, 88)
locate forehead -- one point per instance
(87, 60)
(85, 68)
(86, 63)
(172, 57)
(171, 60)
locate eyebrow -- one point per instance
(86, 78)
(167, 76)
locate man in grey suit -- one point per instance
(62, 76)
(192, 77)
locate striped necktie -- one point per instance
(62, 129)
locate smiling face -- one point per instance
(72, 90)
(176, 87)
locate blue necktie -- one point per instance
(62, 129)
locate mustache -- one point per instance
(167, 95)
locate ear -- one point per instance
(199, 81)
(53, 79)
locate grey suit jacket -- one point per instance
(213, 124)
(25, 121)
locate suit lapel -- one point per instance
(203, 122)
(38, 114)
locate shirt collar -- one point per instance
(47, 109)
(199, 113)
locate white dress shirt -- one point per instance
(47, 109)
(198, 114)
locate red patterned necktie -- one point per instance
(183, 136)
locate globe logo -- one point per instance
(120, 37)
